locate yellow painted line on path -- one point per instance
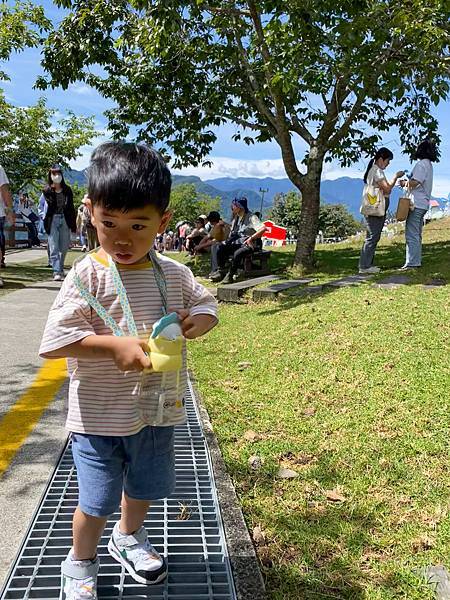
(24, 415)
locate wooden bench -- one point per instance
(233, 291)
(257, 263)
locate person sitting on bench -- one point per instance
(245, 237)
(196, 235)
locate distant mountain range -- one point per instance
(344, 190)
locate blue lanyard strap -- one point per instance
(122, 295)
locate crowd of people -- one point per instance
(228, 243)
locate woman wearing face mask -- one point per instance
(60, 219)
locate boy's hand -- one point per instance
(129, 354)
(195, 325)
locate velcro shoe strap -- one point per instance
(77, 571)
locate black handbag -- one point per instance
(32, 217)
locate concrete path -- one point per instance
(22, 318)
(21, 256)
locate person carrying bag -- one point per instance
(375, 203)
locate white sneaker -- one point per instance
(79, 579)
(58, 277)
(369, 270)
(138, 556)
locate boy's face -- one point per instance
(127, 236)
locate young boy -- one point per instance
(121, 456)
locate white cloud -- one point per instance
(233, 167)
(334, 172)
(81, 89)
(224, 166)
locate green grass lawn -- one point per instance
(350, 389)
(19, 275)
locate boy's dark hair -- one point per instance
(426, 149)
(125, 176)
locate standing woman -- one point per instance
(420, 185)
(60, 219)
(375, 176)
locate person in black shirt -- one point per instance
(60, 219)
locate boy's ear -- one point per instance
(165, 221)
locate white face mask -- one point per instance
(56, 178)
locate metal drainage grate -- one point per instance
(194, 545)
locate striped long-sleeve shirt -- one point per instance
(102, 399)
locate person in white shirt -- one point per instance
(375, 176)
(6, 212)
(420, 185)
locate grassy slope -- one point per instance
(350, 389)
(20, 275)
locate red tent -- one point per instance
(275, 232)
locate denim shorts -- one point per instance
(142, 465)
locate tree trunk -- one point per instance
(309, 216)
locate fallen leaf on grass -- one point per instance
(310, 411)
(244, 365)
(255, 462)
(335, 495)
(258, 535)
(283, 473)
(252, 436)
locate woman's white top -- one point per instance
(423, 173)
(3, 180)
(375, 175)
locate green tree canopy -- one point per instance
(32, 138)
(286, 211)
(187, 204)
(334, 219)
(332, 74)
(22, 25)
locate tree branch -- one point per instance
(244, 123)
(333, 108)
(343, 130)
(283, 134)
(300, 128)
(254, 89)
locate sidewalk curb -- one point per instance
(247, 576)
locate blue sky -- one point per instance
(233, 159)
